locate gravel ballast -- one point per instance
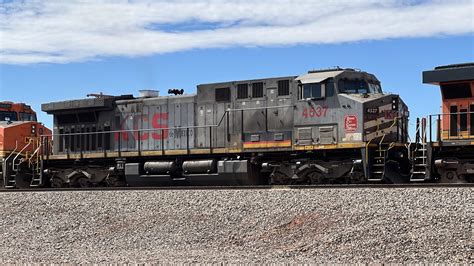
(238, 226)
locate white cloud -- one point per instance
(53, 31)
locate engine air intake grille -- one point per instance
(283, 87)
(242, 91)
(222, 94)
(257, 90)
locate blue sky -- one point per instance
(104, 47)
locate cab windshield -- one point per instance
(8, 116)
(359, 86)
(27, 117)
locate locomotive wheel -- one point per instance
(286, 176)
(278, 178)
(115, 181)
(357, 178)
(453, 177)
(57, 182)
(315, 177)
(84, 182)
(81, 182)
(282, 175)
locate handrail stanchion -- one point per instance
(187, 140)
(162, 142)
(439, 124)
(210, 139)
(430, 126)
(120, 144)
(228, 127)
(68, 148)
(417, 135)
(242, 125)
(139, 143)
(102, 135)
(81, 144)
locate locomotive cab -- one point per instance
(353, 104)
(456, 82)
(346, 110)
(10, 112)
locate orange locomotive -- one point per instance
(450, 143)
(20, 145)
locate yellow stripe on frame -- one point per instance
(272, 144)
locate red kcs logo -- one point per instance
(350, 123)
(159, 122)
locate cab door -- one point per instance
(460, 120)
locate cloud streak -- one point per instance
(52, 31)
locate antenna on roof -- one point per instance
(335, 68)
(98, 95)
(176, 91)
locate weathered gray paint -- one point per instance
(269, 118)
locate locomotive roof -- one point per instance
(246, 80)
(312, 76)
(73, 105)
(449, 73)
(183, 97)
(316, 77)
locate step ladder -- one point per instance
(35, 164)
(377, 170)
(8, 172)
(419, 163)
(419, 156)
(10, 179)
(36, 180)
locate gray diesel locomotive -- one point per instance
(326, 126)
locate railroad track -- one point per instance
(259, 187)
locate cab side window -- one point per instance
(313, 91)
(317, 91)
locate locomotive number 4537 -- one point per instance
(315, 111)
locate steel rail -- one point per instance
(257, 187)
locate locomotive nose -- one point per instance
(385, 117)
